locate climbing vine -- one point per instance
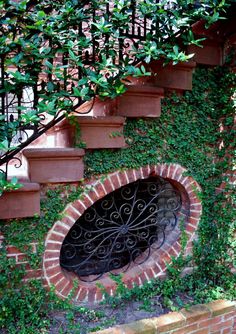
(196, 130)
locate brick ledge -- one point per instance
(216, 317)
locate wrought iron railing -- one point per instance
(24, 85)
(24, 98)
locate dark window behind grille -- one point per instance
(122, 226)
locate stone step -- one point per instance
(95, 132)
(140, 101)
(21, 203)
(55, 165)
(172, 77)
(210, 54)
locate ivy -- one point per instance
(196, 130)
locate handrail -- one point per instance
(30, 88)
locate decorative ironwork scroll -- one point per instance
(121, 228)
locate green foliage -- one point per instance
(20, 306)
(5, 185)
(195, 130)
(41, 41)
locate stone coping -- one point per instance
(53, 152)
(92, 121)
(101, 120)
(220, 314)
(26, 187)
(142, 89)
(181, 65)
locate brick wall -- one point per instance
(155, 265)
(51, 271)
(218, 317)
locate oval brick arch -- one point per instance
(155, 266)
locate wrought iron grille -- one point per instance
(121, 228)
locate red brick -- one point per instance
(196, 206)
(130, 174)
(172, 252)
(193, 221)
(188, 181)
(13, 250)
(92, 194)
(60, 229)
(79, 206)
(150, 273)
(85, 201)
(100, 191)
(171, 171)
(166, 257)
(178, 174)
(194, 214)
(22, 258)
(162, 264)
(37, 273)
(51, 254)
(145, 171)
(108, 186)
(52, 267)
(53, 246)
(143, 277)
(186, 330)
(156, 269)
(193, 198)
(158, 170)
(115, 182)
(209, 322)
(70, 212)
(138, 174)
(227, 330)
(82, 294)
(56, 237)
(230, 315)
(192, 187)
(177, 247)
(91, 294)
(191, 229)
(55, 279)
(164, 170)
(182, 179)
(128, 283)
(123, 179)
(62, 284)
(99, 296)
(67, 221)
(216, 327)
(136, 281)
(67, 289)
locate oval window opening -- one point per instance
(121, 228)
